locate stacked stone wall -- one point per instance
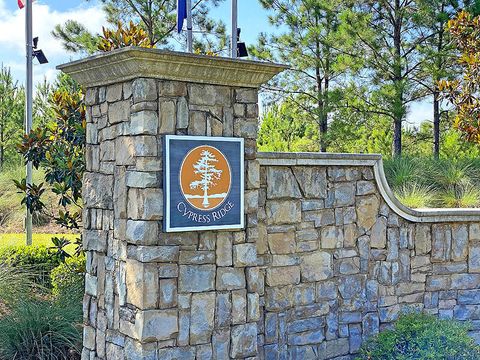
(340, 265)
(327, 257)
(149, 294)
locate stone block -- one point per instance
(286, 275)
(255, 280)
(197, 124)
(224, 249)
(312, 180)
(140, 179)
(378, 238)
(244, 340)
(197, 257)
(367, 211)
(98, 190)
(442, 242)
(281, 183)
(331, 237)
(95, 240)
(144, 90)
(281, 243)
(230, 278)
(119, 112)
(316, 266)
(239, 306)
(149, 254)
(182, 113)
(253, 303)
(114, 92)
(474, 258)
(283, 212)
(209, 94)
(140, 232)
(366, 188)
(196, 278)
(352, 286)
(167, 117)
(145, 204)
(459, 242)
(143, 123)
(244, 255)
(246, 96)
(202, 317)
(156, 325)
(130, 147)
(168, 293)
(142, 284)
(172, 88)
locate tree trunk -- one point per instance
(397, 103)
(436, 124)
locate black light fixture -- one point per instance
(241, 47)
(42, 59)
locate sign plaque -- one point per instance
(203, 183)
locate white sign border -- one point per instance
(166, 184)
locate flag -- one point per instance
(181, 13)
(21, 3)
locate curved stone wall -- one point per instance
(342, 258)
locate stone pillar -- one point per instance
(150, 294)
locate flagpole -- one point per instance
(28, 103)
(189, 27)
(234, 29)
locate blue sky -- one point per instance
(252, 18)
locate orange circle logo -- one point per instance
(205, 177)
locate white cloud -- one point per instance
(12, 35)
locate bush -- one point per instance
(36, 326)
(422, 337)
(68, 278)
(38, 259)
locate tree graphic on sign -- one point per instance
(205, 167)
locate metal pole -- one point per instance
(189, 27)
(234, 29)
(28, 104)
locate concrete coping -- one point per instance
(430, 215)
(134, 62)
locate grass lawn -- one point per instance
(16, 239)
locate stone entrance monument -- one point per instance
(327, 256)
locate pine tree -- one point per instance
(156, 17)
(309, 38)
(12, 100)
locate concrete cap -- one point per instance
(133, 62)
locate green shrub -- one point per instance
(36, 326)
(417, 336)
(37, 329)
(68, 278)
(401, 171)
(38, 259)
(415, 196)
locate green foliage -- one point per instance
(422, 337)
(309, 37)
(38, 259)
(12, 103)
(36, 329)
(428, 182)
(35, 325)
(58, 148)
(415, 195)
(123, 37)
(68, 278)
(286, 128)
